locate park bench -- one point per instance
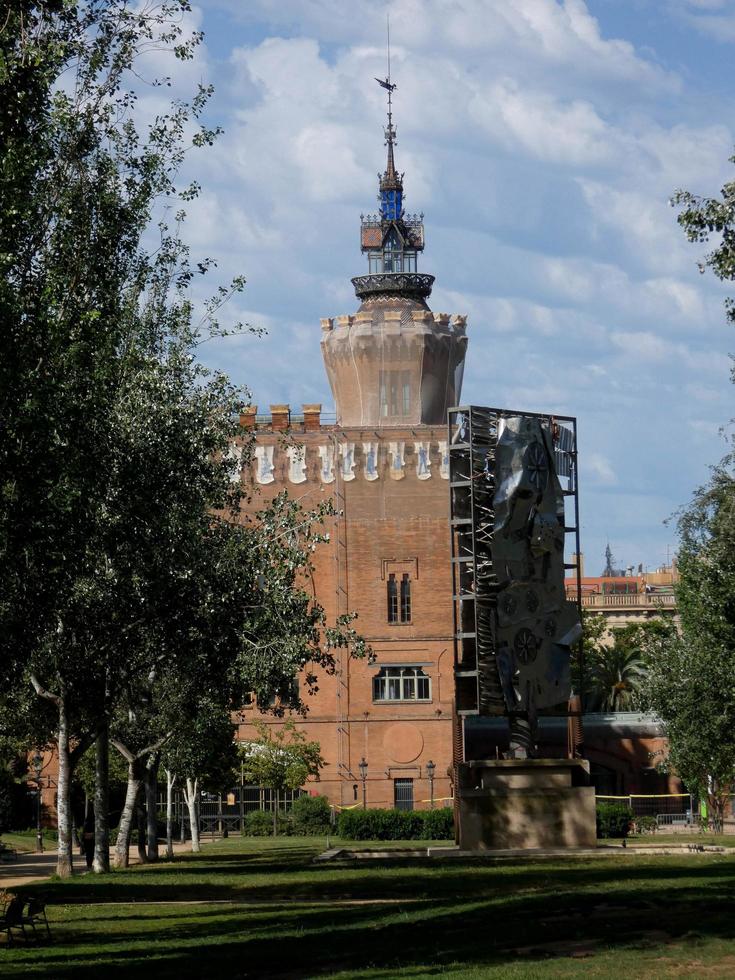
(17, 913)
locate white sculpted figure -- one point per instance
(370, 451)
(423, 460)
(397, 460)
(264, 463)
(297, 464)
(326, 470)
(347, 452)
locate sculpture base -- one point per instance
(525, 803)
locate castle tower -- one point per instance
(393, 362)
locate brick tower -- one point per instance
(394, 367)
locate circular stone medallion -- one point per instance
(403, 742)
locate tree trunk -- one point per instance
(64, 860)
(170, 780)
(101, 862)
(141, 825)
(190, 795)
(122, 849)
(151, 804)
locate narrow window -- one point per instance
(405, 598)
(392, 599)
(394, 393)
(406, 391)
(383, 394)
(403, 794)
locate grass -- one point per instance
(261, 908)
(25, 840)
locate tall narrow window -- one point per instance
(405, 598)
(403, 794)
(393, 380)
(383, 386)
(392, 599)
(406, 391)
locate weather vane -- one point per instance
(390, 87)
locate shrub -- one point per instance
(311, 815)
(396, 824)
(259, 823)
(613, 820)
(646, 825)
(439, 824)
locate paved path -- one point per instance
(31, 866)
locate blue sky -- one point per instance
(542, 140)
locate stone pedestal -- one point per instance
(525, 803)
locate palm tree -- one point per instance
(616, 678)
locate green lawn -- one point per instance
(261, 908)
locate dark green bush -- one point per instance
(311, 815)
(645, 825)
(396, 824)
(613, 820)
(259, 823)
(439, 824)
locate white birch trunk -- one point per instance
(191, 797)
(64, 860)
(124, 832)
(170, 780)
(101, 863)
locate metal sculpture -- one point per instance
(514, 625)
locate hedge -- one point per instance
(613, 820)
(310, 816)
(396, 824)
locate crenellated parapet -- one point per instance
(394, 364)
(335, 456)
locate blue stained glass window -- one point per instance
(391, 204)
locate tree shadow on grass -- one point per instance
(476, 917)
(398, 879)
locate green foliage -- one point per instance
(615, 677)
(281, 758)
(691, 683)
(259, 823)
(7, 795)
(646, 824)
(584, 653)
(311, 816)
(85, 772)
(613, 820)
(396, 824)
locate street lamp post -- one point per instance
(430, 769)
(362, 766)
(38, 766)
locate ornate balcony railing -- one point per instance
(640, 599)
(415, 285)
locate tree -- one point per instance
(691, 681)
(116, 463)
(618, 670)
(201, 755)
(585, 652)
(95, 332)
(280, 759)
(615, 678)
